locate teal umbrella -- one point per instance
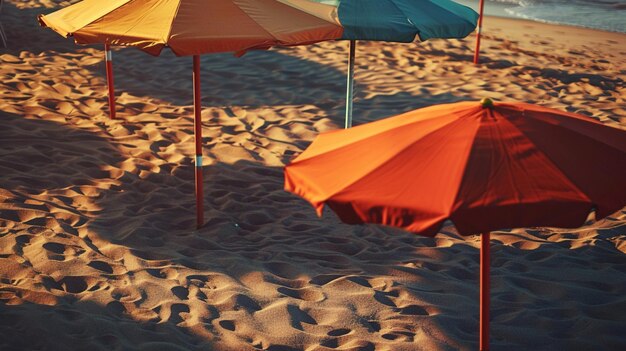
(398, 21)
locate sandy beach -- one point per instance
(98, 249)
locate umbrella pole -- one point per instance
(478, 31)
(108, 58)
(197, 109)
(484, 291)
(350, 88)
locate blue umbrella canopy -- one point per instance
(397, 21)
(403, 20)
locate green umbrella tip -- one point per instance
(486, 102)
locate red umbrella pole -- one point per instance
(484, 292)
(480, 28)
(108, 58)
(197, 109)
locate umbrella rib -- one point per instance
(395, 127)
(253, 20)
(143, 15)
(295, 6)
(588, 136)
(68, 33)
(554, 164)
(169, 33)
(417, 32)
(448, 11)
(415, 25)
(104, 15)
(508, 159)
(457, 120)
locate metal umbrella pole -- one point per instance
(197, 109)
(350, 85)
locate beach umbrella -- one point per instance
(242, 25)
(191, 28)
(479, 30)
(398, 21)
(194, 27)
(484, 166)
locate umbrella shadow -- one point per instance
(254, 228)
(141, 212)
(258, 79)
(78, 184)
(78, 202)
(25, 34)
(51, 178)
(86, 325)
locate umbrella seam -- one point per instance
(417, 31)
(448, 11)
(144, 14)
(434, 3)
(169, 33)
(458, 190)
(457, 204)
(574, 130)
(101, 17)
(392, 158)
(305, 11)
(257, 23)
(555, 164)
(368, 136)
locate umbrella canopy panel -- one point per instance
(193, 27)
(508, 166)
(404, 20)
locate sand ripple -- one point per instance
(96, 250)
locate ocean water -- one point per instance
(600, 14)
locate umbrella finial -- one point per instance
(486, 102)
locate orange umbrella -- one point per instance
(484, 166)
(194, 27)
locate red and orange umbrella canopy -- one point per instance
(506, 165)
(193, 27)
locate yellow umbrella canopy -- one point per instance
(193, 27)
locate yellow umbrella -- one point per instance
(194, 27)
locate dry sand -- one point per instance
(96, 250)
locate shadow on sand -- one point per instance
(253, 227)
(258, 79)
(58, 182)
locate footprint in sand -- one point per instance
(227, 324)
(299, 316)
(181, 292)
(339, 332)
(101, 266)
(74, 285)
(306, 294)
(176, 310)
(414, 310)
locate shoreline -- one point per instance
(499, 9)
(572, 26)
